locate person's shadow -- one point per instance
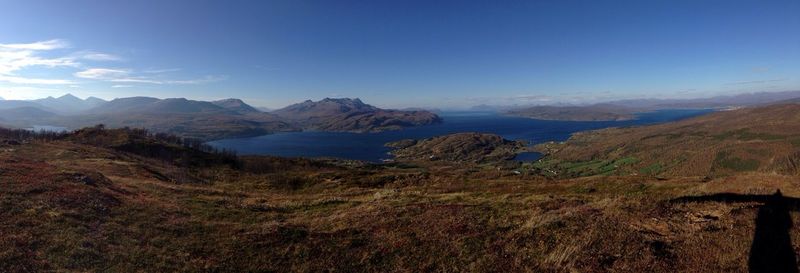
(771, 250)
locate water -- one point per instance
(47, 128)
(528, 156)
(370, 146)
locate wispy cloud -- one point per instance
(25, 92)
(23, 80)
(15, 57)
(43, 45)
(127, 76)
(206, 79)
(96, 56)
(121, 86)
(756, 82)
(159, 71)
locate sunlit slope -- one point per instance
(762, 139)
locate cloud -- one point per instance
(755, 82)
(102, 73)
(97, 56)
(121, 86)
(43, 45)
(23, 80)
(25, 92)
(206, 79)
(112, 75)
(159, 71)
(15, 57)
(127, 76)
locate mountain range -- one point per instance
(627, 109)
(208, 119)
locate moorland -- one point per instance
(715, 193)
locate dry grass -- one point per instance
(70, 207)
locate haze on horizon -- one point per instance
(444, 54)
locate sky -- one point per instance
(439, 54)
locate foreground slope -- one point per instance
(124, 200)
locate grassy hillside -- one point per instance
(762, 139)
(82, 202)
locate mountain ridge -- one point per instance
(352, 115)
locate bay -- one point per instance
(370, 146)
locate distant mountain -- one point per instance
(11, 104)
(626, 109)
(23, 113)
(352, 115)
(94, 101)
(236, 105)
(210, 120)
(432, 110)
(161, 106)
(264, 109)
(124, 105)
(180, 116)
(597, 112)
(747, 99)
(67, 104)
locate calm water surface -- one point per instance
(370, 146)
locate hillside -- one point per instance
(352, 115)
(597, 112)
(460, 147)
(124, 200)
(759, 139)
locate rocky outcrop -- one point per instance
(460, 147)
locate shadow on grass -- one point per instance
(771, 250)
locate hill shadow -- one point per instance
(772, 249)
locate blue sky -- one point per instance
(399, 53)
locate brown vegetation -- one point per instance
(80, 202)
(760, 139)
